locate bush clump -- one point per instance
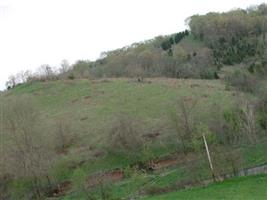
(243, 81)
(125, 137)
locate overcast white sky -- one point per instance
(35, 32)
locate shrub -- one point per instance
(208, 73)
(243, 81)
(125, 137)
(184, 123)
(29, 155)
(71, 77)
(237, 125)
(5, 182)
(63, 135)
(261, 109)
(227, 160)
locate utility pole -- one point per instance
(209, 158)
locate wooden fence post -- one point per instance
(209, 158)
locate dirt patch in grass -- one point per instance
(188, 99)
(75, 165)
(87, 97)
(165, 163)
(99, 154)
(150, 136)
(61, 189)
(60, 151)
(74, 100)
(106, 177)
(171, 161)
(84, 118)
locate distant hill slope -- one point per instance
(214, 40)
(237, 37)
(133, 122)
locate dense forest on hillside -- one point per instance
(173, 112)
(214, 40)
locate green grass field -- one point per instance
(249, 188)
(92, 105)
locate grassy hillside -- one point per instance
(87, 132)
(91, 107)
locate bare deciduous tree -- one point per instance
(249, 124)
(12, 82)
(28, 151)
(184, 121)
(46, 72)
(63, 134)
(64, 67)
(125, 136)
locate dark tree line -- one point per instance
(173, 39)
(233, 36)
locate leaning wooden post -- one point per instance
(209, 158)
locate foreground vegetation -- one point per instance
(87, 147)
(239, 188)
(76, 134)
